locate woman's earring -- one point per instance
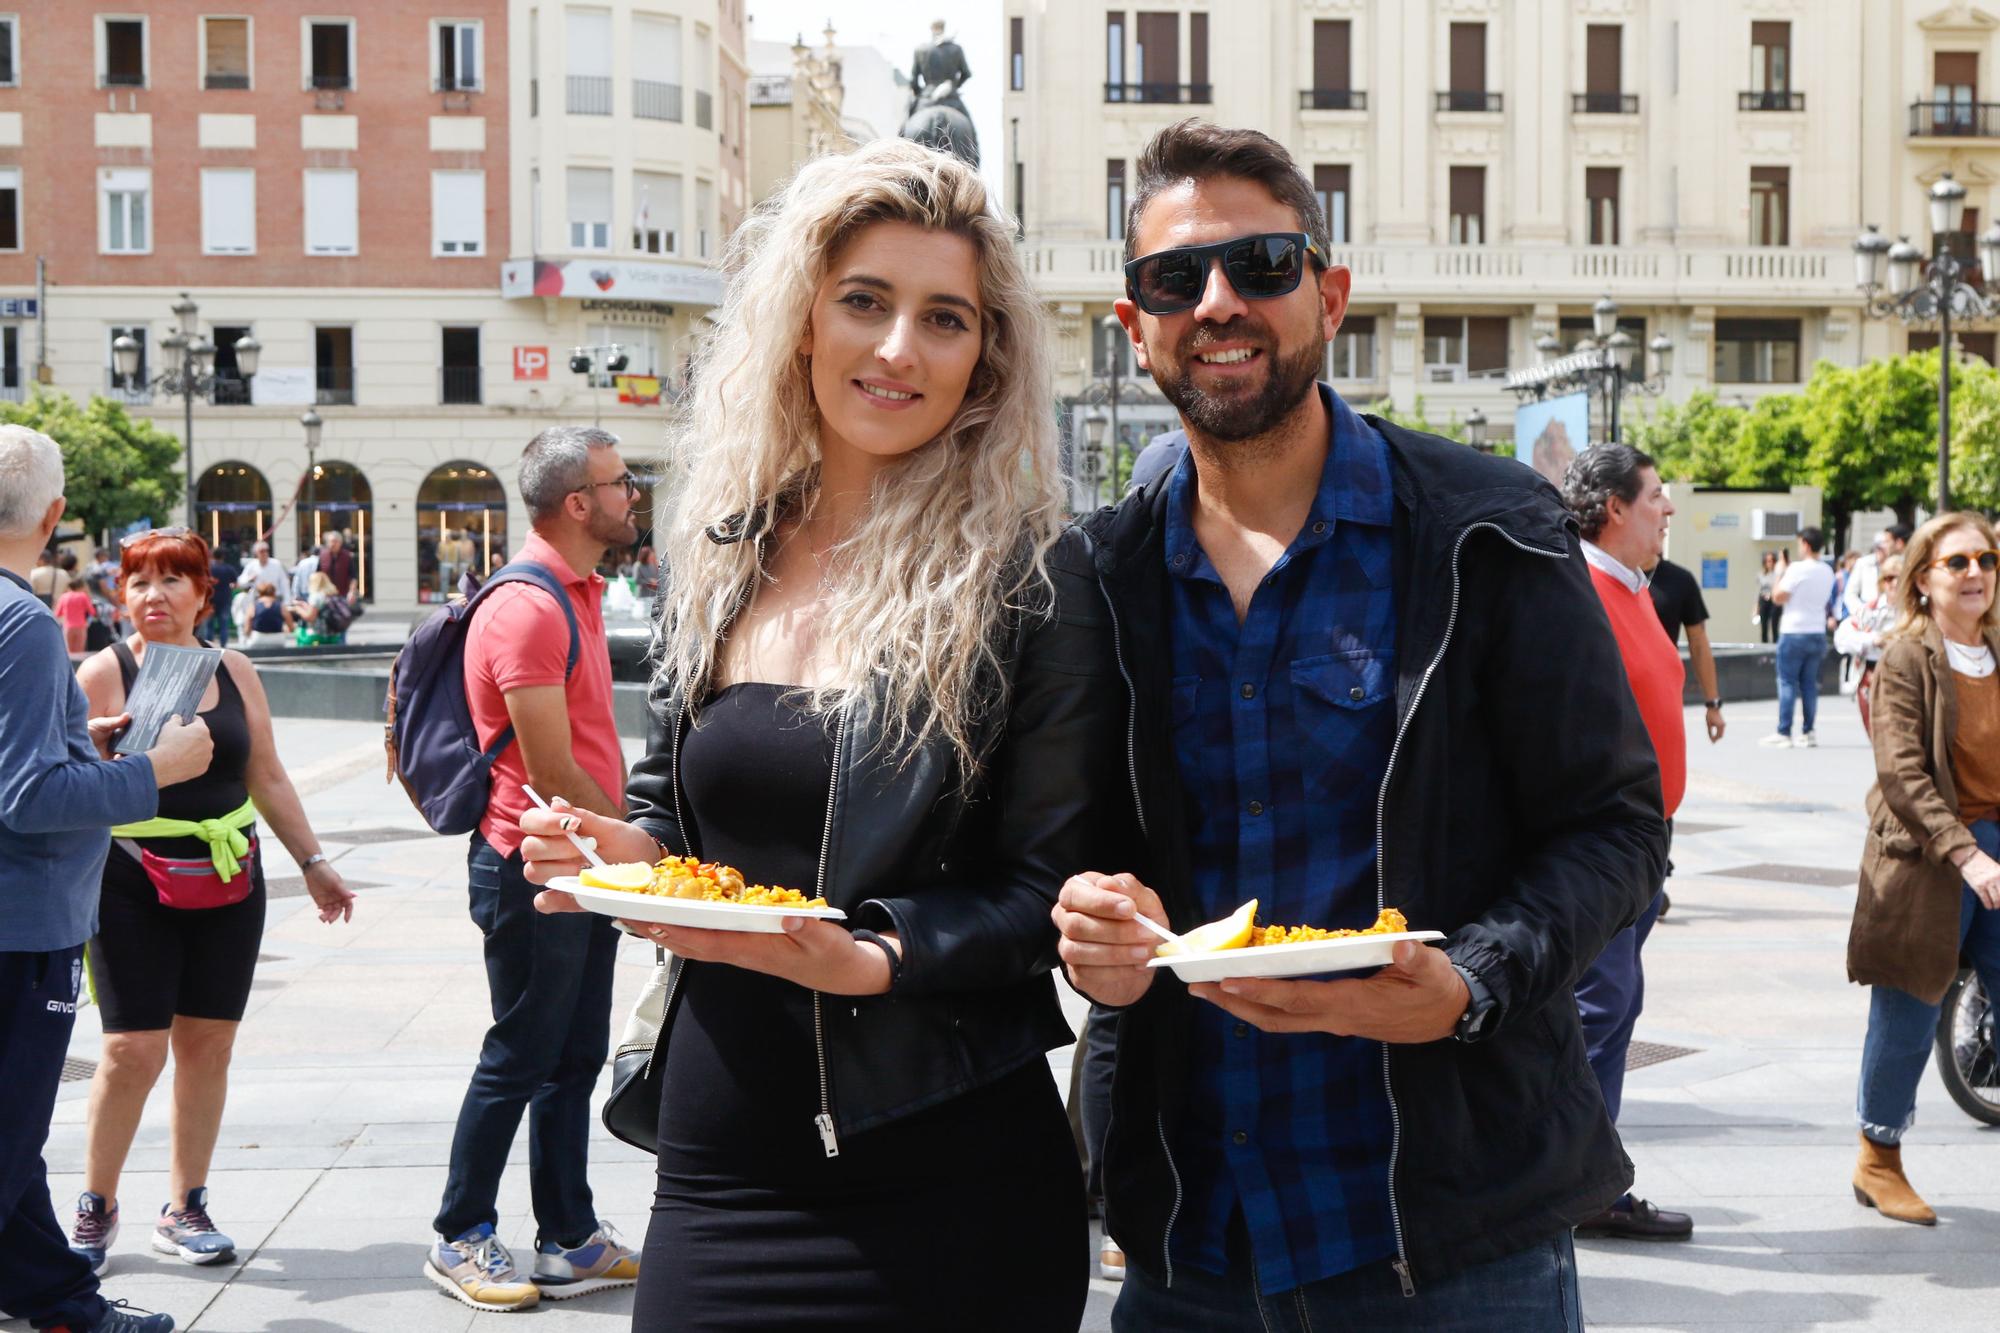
(1923, 599)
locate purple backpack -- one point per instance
(433, 747)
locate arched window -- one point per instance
(338, 498)
(461, 525)
(232, 507)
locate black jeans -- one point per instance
(41, 1279)
(1098, 1055)
(550, 982)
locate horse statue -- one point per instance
(937, 118)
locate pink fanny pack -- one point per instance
(192, 884)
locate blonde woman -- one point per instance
(883, 680)
(1930, 883)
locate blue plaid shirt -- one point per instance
(1282, 732)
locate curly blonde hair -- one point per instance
(956, 533)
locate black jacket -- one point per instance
(966, 875)
(1520, 814)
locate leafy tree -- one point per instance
(1975, 437)
(1693, 441)
(1872, 430)
(116, 469)
(1499, 430)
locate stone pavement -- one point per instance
(356, 1049)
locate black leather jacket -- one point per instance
(1520, 814)
(965, 874)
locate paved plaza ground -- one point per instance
(359, 1039)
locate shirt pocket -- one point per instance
(1344, 718)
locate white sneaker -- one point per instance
(1811, 741)
(1111, 1261)
(1777, 740)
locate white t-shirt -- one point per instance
(1968, 661)
(1810, 583)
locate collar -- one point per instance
(537, 549)
(1635, 581)
(17, 580)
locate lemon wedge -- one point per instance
(629, 876)
(1232, 932)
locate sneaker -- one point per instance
(477, 1269)
(96, 1228)
(1811, 741)
(1777, 740)
(187, 1231)
(119, 1317)
(1111, 1261)
(563, 1271)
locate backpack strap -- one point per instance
(528, 571)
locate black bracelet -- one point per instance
(889, 952)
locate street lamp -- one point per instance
(187, 358)
(593, 360)
(1598, 363)
(310, 420)
(1475, 431)
(1090, 467)
(1917, 293)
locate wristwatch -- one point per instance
(1714, 703)
(311, 861)
(1478, 1010)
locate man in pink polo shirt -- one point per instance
(549, 976)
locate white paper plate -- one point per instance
(1305, 959)
(698, 913)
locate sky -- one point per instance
(897, 28)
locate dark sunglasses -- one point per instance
(1167, 282)
(629, 481)
(1960, 563)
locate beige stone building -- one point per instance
(1490, 169)
(797, 108)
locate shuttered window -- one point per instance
(1333, 54)
(1159, 54)
(458, 212)
(1468, 206)
(226, 59)
(1600, 195)
(333, 225)
(228, 211)
(1604, 59)
(1468, 57)
(1331, 184)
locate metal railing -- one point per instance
(1954, 120)
(1332, 99)
(131, 390)
(457, 83)
(229, 391)
(124, 78)
(460, 384)
(1605, 104)
(588, 95)
(652, 100)
(1456, 100)
(1197, 93)
(1771, 101)
(225, 82)
(704, 110)
(332, 82)
(334, 386)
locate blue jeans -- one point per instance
(550, 982)
(1798, 678)
(1531, 1291)
(1609, 996)
(1901, 1027)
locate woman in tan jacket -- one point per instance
(1930, 884)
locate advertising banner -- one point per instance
(1550, 432)
(647, 281)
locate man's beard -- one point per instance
(612, 531)
(1289, 380)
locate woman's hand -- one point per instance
(546, 853)
(1982, 876)
(104, 732)
(330, 893)
(819, 955)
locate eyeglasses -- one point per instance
(629, 481)
(1260, 267)
(1962, 562)
(150, 533)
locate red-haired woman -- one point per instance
(182, 909)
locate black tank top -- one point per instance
(222, 788)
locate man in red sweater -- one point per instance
(1622, 509)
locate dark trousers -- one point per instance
(41, 1279)
(1608, 998)
(1097, 1055)
(550, 982)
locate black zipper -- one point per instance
(829, 1135)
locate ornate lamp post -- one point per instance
(1598, 364)
(1475, 431)
(310, 420)
(187, 361)
(595, 360)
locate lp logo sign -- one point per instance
(531, 363)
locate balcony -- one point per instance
(1604, 104)
(332, 83)
(217, 83)
(1166, 94)
(457, 83)
(656, 101)
(704, 110)
(229, 390)
(1954, 120)
(1332, 99)
(588, 95)
(334, 386)
(1774, 101)
(460, 384)
(1456, 100)
(123, 78)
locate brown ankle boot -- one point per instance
(1879, 1183)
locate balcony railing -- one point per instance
(704, 110)
(589, 95)
(1771, 101)
(226, 82)
(1604, 104)
(656, 101)
(459, 384)
(1455, 100)
(1332, 99)
(327, 83)
(334, 386)
(124, 78)
(1954, 120)
(227, 390)
(1197, 93)
(457, 83)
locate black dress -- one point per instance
(966, 1216)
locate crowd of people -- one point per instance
(1306, 662)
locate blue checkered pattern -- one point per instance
(1282, 730)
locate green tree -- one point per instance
(1872, 432)
(1975, 436)
(1694, 441)
(115, 469)
(1499, 430)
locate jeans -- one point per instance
(1798, 678)
(1531, 1291)
(550, 982)
(1901, 1027)
(41, 1279)
(1609, 996)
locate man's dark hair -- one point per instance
(1900, 531)
(1594, 476)
(1198, 150)
(1814, 539)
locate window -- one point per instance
(124, 206)
(128, 388)
(1017, 59)
(704, 229)
(1456, 346)
(230, 389)
(457, 49)
(1351, 353)
(1771, 57)
(588, 91)
(1198, 88)
(656, 213)
(332, 213)
(1955, 90)
(1114, 55)
(534, 210)
(122, 51)
(1757, 351)
(1981, 345)
(1600, 201)
(1468, 206)
(1468, 63)
(534, 63)
(704, 75)
(329, 54)
(10, 208)
(1156, 56)
(10, 361)
(1333, 64)
(656, 49)
(1331, 184)
(225, 53)
(333, 365)
(1770, 205)
(459, 374)
(10, 51)
(228, 211)
(1114, 198)
(589, 208)
(1604, 74)
(458, 212)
